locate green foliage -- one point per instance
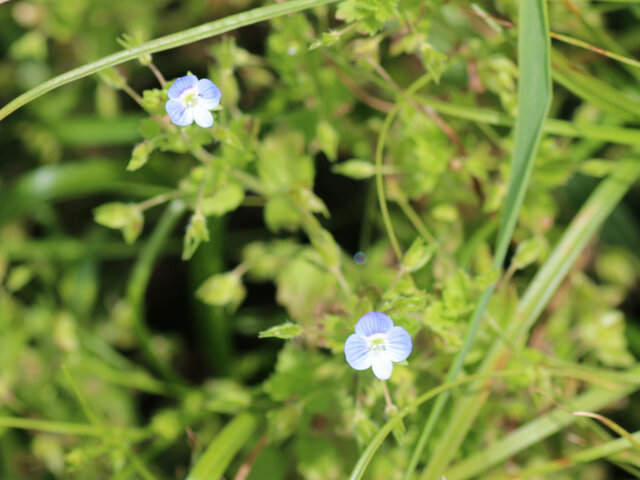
(372, 155)
(125, 217)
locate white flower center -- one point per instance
(377, 343)
(190, 97)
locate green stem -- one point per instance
(206, 30)
(64, 428)
(382, 199)
(140, 278)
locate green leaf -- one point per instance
(371, 14)
(418, 255)
(140, 155)
(226, 136)
(196, 234)
(284, 331)
(19, 276)
(358, 169)
(149, 128)
(328, 140)
(133, 41)
(126, 217)
(328, 38)
(325, 245)
(529, 251)
(218, 455)
(226, 199)
(225, 289)
(281, 213)
(153, 101)
(113, 78)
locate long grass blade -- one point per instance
(216, 458)
(535, 431)
(582, 229)
(534, 99)
(206, 30)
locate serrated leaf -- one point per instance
(153, 101)
(284, 331)
(226, 199)
(327, 39)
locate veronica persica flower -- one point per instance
(377, 343)
(191, 99)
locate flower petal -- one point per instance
(179, 113)
(181, 85)
(356, 351)
(209, 94)
(399, 344)
(373, 322)
(382, 366)
(202, 116)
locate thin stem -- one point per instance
(245, 468)
(64, 428)
(159, 199)
(387, 397)
(158, 74)
(413, 217)
(343, 282)
(382, 199)
(140, 278)
(132, 93)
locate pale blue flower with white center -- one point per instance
(191, 99)
(377, 343)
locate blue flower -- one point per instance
(191, 99)
(377, 343)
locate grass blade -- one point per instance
(587, 455)
(206, 30)
(562, 128)
(534, 99)
(582, 229)
(216, 458)
(535, 431)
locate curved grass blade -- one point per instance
(582, 229)
(587, 455)
(594, 91)
(206, 30)
(66, 181)
(139, 280)
(534, 99)
(537, 430)
(381, 434)
(216, 458)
